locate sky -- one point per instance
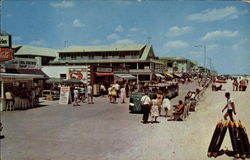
(189, 29)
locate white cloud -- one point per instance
(62, 4)
(176, 31)
(124, 41)
(17, 38)
(38, 43)
(95, 42)
(208, 15)
(113, 37)
(119, 28)
(219, 34)
(134, 29)
(77, 23)
(176, 44)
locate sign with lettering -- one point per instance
(6, 54)
(5, 41)
(64, 95)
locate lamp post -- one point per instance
(203, 46)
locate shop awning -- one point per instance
(28, 71)
(104, 74)
(19, 76)
(159, 75)
(168, 74)
(125, 76)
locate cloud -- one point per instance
(119, 28)
(62, 4)
(77, 23)
(38, 43)
(134, 29)
(124, 41)
(17, 38)
(176, 44)
(208, 15)
(95, 42)
(113, 37)
(177, 31)
(219, 34)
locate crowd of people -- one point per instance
(26, 98)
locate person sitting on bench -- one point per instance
(179, 109)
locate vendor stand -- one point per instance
(16, 82)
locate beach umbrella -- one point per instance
(54, 81)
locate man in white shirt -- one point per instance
(230, 107)
(145, 104)
(90, 94)
(165, 107)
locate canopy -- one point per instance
(159, 75)
(73, 81)
(54, 80)
(169, 74)
(125, 76)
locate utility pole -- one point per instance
(149, 38)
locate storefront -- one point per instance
(16, 83)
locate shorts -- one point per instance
(230, 111)
(90, 95)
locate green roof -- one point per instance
(34, 51)
(130, 47)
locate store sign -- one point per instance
(5, 41)
(102, 69)
(6, 54)
(64, 95)
(78, 73)
(22, 63)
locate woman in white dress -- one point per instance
(154, 110)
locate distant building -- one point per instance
(179, 65)
(43, 55)
(140, 59)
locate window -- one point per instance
(63, 76)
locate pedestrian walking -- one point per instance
(113, 94)
(102, 90)
(165, 107)
(82, 93)
(90, 94)
(159, 100)
(10, 101)
(154, 111)
(109, 94)
(145, 104)
(235, 85)
(123, 94)
(230, 106)
(76, 93)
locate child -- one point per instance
(154, 110)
